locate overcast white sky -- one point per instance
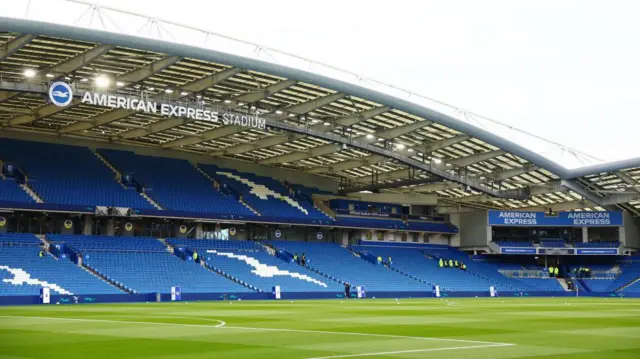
(566, 70)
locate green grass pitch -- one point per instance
(373, 328)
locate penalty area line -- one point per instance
(415, 351)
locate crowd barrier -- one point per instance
(166, 297)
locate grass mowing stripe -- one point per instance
(414, 351)
(223, 325)
(220, 325)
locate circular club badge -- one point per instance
(278, 233)
(319, 235)
(60, 94)
(68, 224)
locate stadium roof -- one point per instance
(367, 139)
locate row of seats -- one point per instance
(174, 183)
(338, 262)
(10, 191)
(108, 243)
(266, 195)
(68, 175)
(24, 272)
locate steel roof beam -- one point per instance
(261, 143)
(41, 112)
(343, 121)
(403, 130)
(203, 137)
(373, 159)
(296, 156)
(151, 129)
(10, 48)
(148, 70)
(79, 61)
(558, 207)
(210, 80)
(444, 143)
(503, 175)
(601, 201)
(97, 121)
(382, 185)
(469, 160)
(434, 187)
(62, 68)
(118, 114)
(349, 164)
(98, 36)
(248, 98)
(350, 120)
(311, 105)
(255, 96)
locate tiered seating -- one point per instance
(68, 175)
(338, 262)
(264, 271)
(599, 244)
(23, 272)
(424, 264)
(248, 262)
(552, 242)
(144, 266)
(512, 243)
(108, 243)
(7, 239)
(267, 196)
(175, 184)
(204, 244)
(10, 191)
(363, 222)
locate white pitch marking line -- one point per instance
(370, 335)
(415, 351)
(223, 325)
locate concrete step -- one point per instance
(151, 200)
(25, 187)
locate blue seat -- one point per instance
(68, 175)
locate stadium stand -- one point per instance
(24, 272)
(335, 261)
(175, 184)
(512, 243)
(144, 265)
(68, 175)
(552, 242)
(266, 195)
(250, 263)
(10, 191)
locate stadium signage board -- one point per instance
(514, 250)
(562, 219)
(61, 95)
(598, 251)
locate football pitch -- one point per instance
(372, 328)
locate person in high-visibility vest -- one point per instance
(450, 263)
(379, 259)
(195, 256)
(441, 263)
(456, 264)
(556, 271)
(550, 271)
